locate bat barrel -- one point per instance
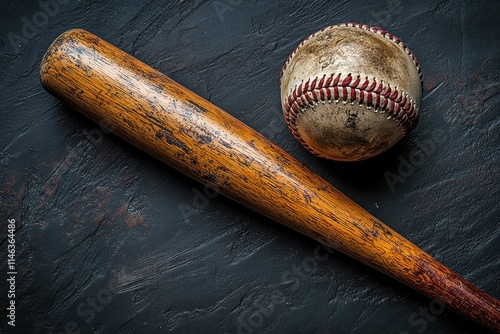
(185, 131)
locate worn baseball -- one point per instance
(351, 91)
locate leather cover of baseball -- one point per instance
(351, 91)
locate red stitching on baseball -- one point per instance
(394, 102)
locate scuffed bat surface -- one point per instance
(110, 240)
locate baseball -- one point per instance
(351, 91)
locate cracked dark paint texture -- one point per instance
(101, 215)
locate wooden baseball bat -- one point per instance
(182, 129)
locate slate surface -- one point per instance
(111, 241)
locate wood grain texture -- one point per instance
(178, 127)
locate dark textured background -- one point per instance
(99, 220)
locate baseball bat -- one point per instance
(180, 128)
